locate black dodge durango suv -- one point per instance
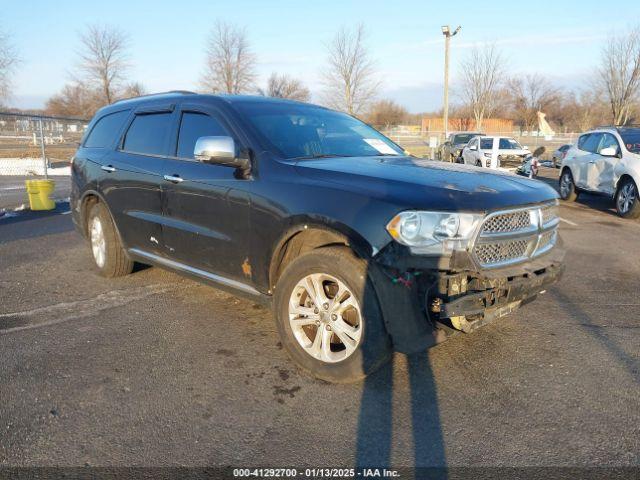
(360, 248)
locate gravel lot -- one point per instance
(155, 370)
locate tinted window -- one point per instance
(509, 144)
(194, 126)
(592, 142)
(148, 134)
(631, 139)
(462, 138)
(486, 143)
(564, 148)
(103, 134)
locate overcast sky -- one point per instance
(560, 39)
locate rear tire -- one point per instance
(327, 292)
(108, 254)
(627, 202)
(568, 190)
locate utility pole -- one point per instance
(446, 31)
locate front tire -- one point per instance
(108, 254)
(627, 202)
(568, 190)
(328, 317)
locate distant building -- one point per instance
(489, 125)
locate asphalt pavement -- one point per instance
(157, 370)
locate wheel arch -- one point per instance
(304, 235)
(88, 199)
(625, 176)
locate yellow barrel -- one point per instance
(40, 194)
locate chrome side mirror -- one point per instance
(219, 151)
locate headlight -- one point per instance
(434, 233)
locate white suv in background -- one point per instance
(479, 150)
(605, 160)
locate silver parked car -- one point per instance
(559, 154)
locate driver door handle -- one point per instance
(173, 178)
(108, 168)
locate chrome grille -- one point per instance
(549, 214)
(547, 240)
(507, 222)
(514, 236)
(492, 253)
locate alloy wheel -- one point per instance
(98, 242)
(325, 317)
(626, 197)
(566, 184)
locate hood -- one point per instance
(426, 184)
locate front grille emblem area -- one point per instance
(514, 236)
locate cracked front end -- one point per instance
(511, 257)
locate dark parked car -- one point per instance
(451, 149)
(359, 248)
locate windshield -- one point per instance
(307, 131)
(631, 140)
(462, 138)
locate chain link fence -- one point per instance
(35, 146)
(426, 144)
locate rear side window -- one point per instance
(193, 126)
(104, 132)
(486, 143)
(148, 134)
(591, 143)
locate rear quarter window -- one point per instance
(104, 132)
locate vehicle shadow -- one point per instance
(32, 224)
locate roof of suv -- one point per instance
(181, 94)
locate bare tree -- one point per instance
(133, 89)
(8, 62)
(350, 78)
(230, 63)
(75, 100)
(104, 60)
(386, 113)
(482, 76)
(530, 94)
(283, 86)
(620, 73)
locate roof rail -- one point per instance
(181, 92)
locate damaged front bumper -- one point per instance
(425, 300)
